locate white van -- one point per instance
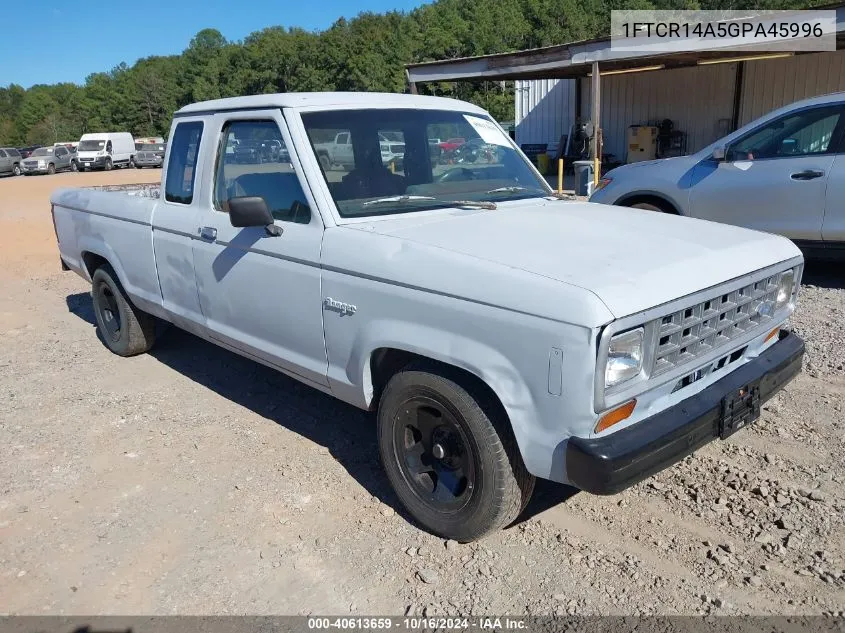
(104, 150)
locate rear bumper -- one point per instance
(610, 464)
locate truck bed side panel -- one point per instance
(116, 227)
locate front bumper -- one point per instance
(609, 464)
(33, 170)
(89, 163)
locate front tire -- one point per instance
(73, 166)
(125, 329)
(449, 453)
(108, 165)
(51, 169)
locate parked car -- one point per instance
(149, 155)
(336, 152)
(105, 150)
(25, 152)
(10, 161)
(783, 173)
(148, 140)
(49, 160)
(500, 332)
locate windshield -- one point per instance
(43, 151)
(151, 148)
(91, 146)
(366, 179)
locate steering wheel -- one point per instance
(455, 175)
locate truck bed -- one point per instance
(112, 222)
(141, 189)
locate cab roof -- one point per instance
(340, 100)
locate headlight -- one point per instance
(624, 357)
(785, 288)
(41, 163)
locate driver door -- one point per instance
(774, 178)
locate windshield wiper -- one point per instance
(397, 199)
(479, 204)
(511, 189)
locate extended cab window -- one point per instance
(252, 160)
(181, 168)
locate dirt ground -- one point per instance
(192, 481)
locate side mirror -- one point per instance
(251, 211)
(719, 153)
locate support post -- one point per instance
(412, 85)
(560, 175)
(740, 71)
(595, 148)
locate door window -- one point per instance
(802, 133)
(2, 154)
(181, 166)
(253, 160)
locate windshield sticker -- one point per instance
(488, 132)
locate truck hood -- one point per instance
(631, 259)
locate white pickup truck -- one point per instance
(500, 332)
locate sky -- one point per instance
(51, 42)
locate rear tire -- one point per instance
(16, 170)
(125, 329)
(449, 453)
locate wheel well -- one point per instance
(657, 201)
(93, 262)
(385, 362)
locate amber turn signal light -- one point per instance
(771, 335)
(615, 416)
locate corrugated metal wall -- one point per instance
(545, 109)
(698, 100)
(771, 83)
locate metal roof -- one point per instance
(570, 60)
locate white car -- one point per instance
(783, 173)
(501, 332)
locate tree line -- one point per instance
(366, 53)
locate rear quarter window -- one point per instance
(181, 165)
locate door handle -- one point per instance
(807, 174)
(208, 233)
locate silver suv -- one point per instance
(10, 161)
(49, 160)
(783, 173)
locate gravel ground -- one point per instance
(193, 481)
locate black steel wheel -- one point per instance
(125, 329)
(449, 452)
(434, 454)
(110, 312)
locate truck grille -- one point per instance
(30, 163)
(697, 330)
